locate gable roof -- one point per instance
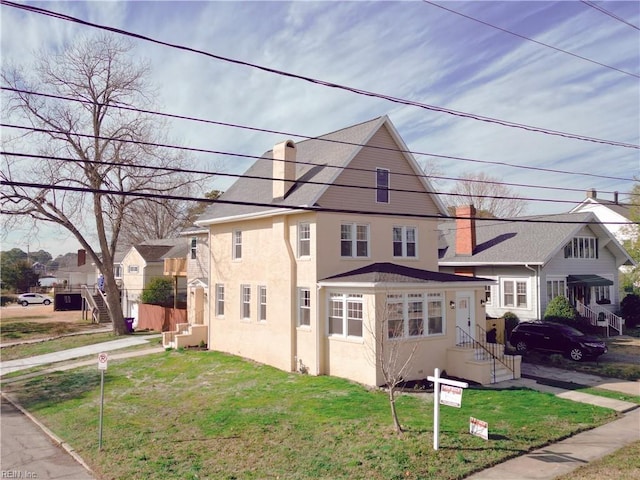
(158, 250)
(319, 160)
(386, 272)
(621, 209)
(519, 243)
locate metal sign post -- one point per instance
(102, 366)
(436, 401)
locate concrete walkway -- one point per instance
(64, 355)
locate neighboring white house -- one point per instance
(612, 213)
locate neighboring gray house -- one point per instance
(536, 259)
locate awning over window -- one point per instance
(589, 280)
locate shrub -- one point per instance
(510, 321)
(630, 310)
(159, 291)
(6, 299)
(561, 310)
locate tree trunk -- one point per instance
(394, 414)
(114, 307)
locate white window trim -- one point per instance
(244, 287)
(354, 240)
(219, 299)
(133, 269)
(556, 279)
(300, 239)
(515, 281)
(261, 304)
(300, 307)
(425, 297)
(404, 229)
(345, 298)
(235, 243)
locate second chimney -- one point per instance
(82, 257)
(592, 193)
(284, 168)
(465, 230)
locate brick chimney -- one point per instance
(82, 257)
(592, 193)
(465, 230)
(284, 168)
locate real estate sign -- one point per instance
(451, 395)
(478, 428)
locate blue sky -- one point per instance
(410, 50)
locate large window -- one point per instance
(514, 293)
(194, 247)
(354, 240)
(404, 242)
(555, 288)
(345, 314)
(414, 315)
(262, 303)
(237, 244)
(245, 299)
(304, 307)
(220, 299)
(304, 240)
(602, 294)
(382, 185)
(582, 247)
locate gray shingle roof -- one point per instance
(326, 155)
(386, 272)
(158, 250)
(500, 242)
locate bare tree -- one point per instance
(488, 194)
(96, 161)
(388, 353)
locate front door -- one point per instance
(463, 318)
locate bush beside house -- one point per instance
(560, 310)
(630, 310)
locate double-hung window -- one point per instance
(304, 239)
(382, 185)
(345, 315)
(194, 247)
(220, 299)
(415, 314)
(304, 307)
(514, 293)
(404, 242)
(354, 240)
(556, 288)
(395, 316)
(435, 314)
(262, 303)
(237, 244)
(245, 299)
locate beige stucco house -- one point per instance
(324, 259)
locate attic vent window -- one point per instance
(382, 185)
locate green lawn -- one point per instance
(192, 414)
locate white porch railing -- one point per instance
(599, 313)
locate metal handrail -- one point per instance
(466, 340)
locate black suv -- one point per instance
(556, 337)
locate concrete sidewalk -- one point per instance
(563, 457)
(64, 355)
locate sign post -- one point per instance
(102, 366)
(452, 396)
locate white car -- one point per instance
(33, 298)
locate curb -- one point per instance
(54, 438)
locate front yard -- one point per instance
(193, 414)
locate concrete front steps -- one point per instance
(186, 335)
(486, 365)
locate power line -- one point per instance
(607, 12)
(289, 208)
(531, 39)
(256, 129)
(309, 182)
(245, 156)
(358, 91)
